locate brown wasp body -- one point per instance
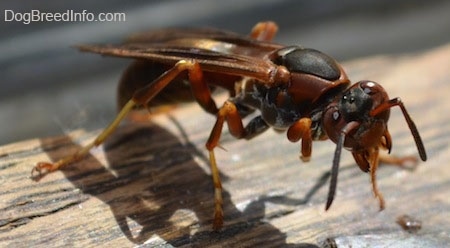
(299, 90)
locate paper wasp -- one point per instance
(295, 89)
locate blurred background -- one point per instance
(48, 88)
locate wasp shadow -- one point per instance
(150, 175)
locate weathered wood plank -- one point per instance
(150, 183)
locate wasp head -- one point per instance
(352, 114)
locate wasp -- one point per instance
(301, 91)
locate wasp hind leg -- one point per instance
(141, 97)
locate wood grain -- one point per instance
(149, 184)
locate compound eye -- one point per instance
(369, 87)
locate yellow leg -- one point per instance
(142, 97)
(218, 201)
(45, 167)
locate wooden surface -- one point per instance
(149, 185)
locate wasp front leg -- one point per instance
(368, 161)
(374, 162)
(141, 97)
(407, 162)
(404, 162)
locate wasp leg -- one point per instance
(228, 112)
(255, 127)
(404, 162)
(42, 168)
(368, 161)
(199, 87)
(374, 162)
(302, 130)
(264, 31)
(141, 97)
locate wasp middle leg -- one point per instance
(302, 130)
(229, 112)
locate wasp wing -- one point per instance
(217, 51)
